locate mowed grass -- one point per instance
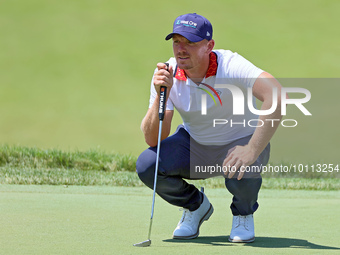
(98, 220)
(76, 74)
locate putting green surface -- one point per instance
(109, 220)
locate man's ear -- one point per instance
(210, 45)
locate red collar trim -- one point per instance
(212, 69)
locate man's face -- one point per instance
(189, 54)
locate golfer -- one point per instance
(206, 86)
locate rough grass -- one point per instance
(24, 165)
(35, 158)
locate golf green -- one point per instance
(109, 220)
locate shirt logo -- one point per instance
(204, 100)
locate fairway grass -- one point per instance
(109, 220)
(76, 74)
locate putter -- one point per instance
(161, 112)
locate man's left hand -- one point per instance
(239, 157)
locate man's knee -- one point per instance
(145, 166)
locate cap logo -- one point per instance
(208, 34)
(187, 23)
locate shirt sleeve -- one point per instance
(243, 71)
(153, 94)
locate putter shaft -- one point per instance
(155, 178)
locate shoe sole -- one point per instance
(241, 241)
(204, 218)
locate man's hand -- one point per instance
(239, 157)
(163, 77)
(150, 124)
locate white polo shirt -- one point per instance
(186, 97)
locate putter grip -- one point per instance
(162, 98)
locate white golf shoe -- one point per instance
(243, 229)
(189, 225)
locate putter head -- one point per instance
(143, 244)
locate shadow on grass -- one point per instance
(261, 242)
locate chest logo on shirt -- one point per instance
(217, 93)
(204, 96)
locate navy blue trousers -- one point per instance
(179, 154)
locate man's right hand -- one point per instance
(163, 77)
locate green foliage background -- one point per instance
(75, 75)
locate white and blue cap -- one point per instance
(192, 26)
